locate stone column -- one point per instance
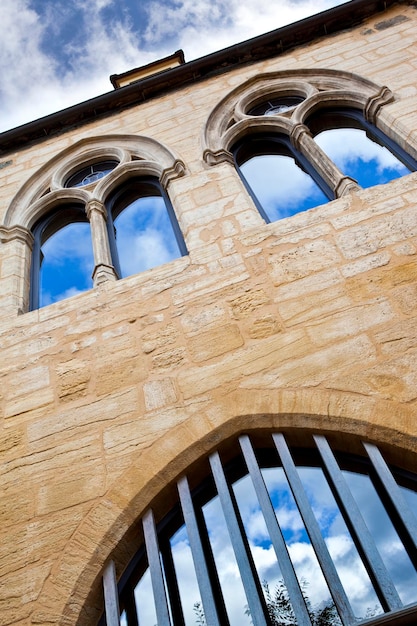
(103, 266)
(340, 184)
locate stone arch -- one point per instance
(28, 203)
(107, 531)
(318, 88)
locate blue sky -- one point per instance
(338, 539)
(55, 53)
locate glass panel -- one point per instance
(227, 569)
(305, 562)
(144, 235)
(342, 549)
(67, 263)
(359, 157)
(263, 553)
(186, 577)
(281, 186)
(145, 605)
(385, 536)
(123, 619)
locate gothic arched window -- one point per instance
(266, 532)
(62, 256)
(296, 135)
(358, 148)
(142, 226)
(279, 178)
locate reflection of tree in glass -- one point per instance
(280, 610)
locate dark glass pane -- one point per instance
(356, 155)
(385, 536)
(144, 236)
(280, 186)
(90, 174)
(276, 106)
(67, 263)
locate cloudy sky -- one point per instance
(55, 53)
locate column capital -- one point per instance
(95, 206)
(298, 131)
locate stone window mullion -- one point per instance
(303, 141)
(103, 264)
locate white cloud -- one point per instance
(36, 82)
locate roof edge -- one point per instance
(258, 48)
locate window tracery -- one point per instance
(77, 189)
(288, 110)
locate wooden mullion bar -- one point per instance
(111, 595)
(248, 575)
(287, 570)
(393, 491)
(202, 573)
(155, 568)
(330, 573)
(384, 586)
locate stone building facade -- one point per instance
(303, 325)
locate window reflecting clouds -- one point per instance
(280, 186)
(227, 587)
(356, 155)
(67, 262)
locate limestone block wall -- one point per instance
(307, 323)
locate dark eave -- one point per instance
(256, 49)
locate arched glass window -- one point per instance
(359, 149)
(62, 256)
(279, 178)
(282, 535)
(143, 229)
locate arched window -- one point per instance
(142, 226)
(358, 148)
(296, 135)
(268, 532)
(62, 256)
(279, 178)
(62, 206)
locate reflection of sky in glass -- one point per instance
(68, 263)
(348, 563)
(281, 186)
(385, 536)
(145, 605)
(342, 549)
(359, 157)
(144, 235)
(298, 543)
(228, 572)
(186, 577)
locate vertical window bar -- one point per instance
(155, 568)
(294, 592)
(111, 596)
(207, 597)
(130, 607)
(393, 491)
(374, 563)
(246, 568)
(336, 588)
